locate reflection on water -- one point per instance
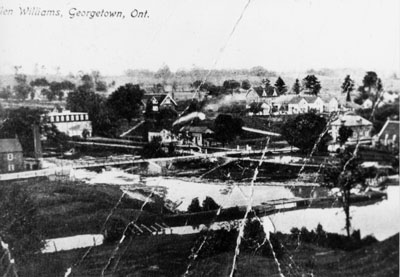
(68, 243)
(379, 219)
(179, 190)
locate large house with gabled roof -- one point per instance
(156, 102)
(360, 126)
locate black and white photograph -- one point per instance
(236, 138)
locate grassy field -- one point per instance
(67, 208)
(168, 256)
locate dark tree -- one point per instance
(209, 204)
(269, 89)
(296, 87)
(125, 102)
(344, 134)
(346, 174)
(50, 95)
(22, 88)
(19, 123)
(368, 89)
(166, 117)
(280, 86)
(5, 92)
(87, 80)
(304, 130)
(266, 82)
(246, 84)
(227, 128)
(348, 87)
(56, 90)
(39, 82)
(198, 84)
(84, 99)
(230, 85)
(19, 222)
(311, 85)
(215, 90)
(255, 108)
(194, 206)
(67, 85)
(153, 149)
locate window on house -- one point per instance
(11, 167)
(10, 157)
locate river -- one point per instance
(379, 219)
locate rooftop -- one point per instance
(390, 128)
(10, 145)
(351, 120)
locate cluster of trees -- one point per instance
(51, 90)
(346, 173)
(19, 222)
(309, 85)
(165, 74)
(106, 114)
(371, 89)
(227, 128)
(19, 122)
(304, 131)
(208, 205)
(253, 240)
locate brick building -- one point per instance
(11, 157)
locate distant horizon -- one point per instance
(334, 71)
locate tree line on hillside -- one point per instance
(309, 85)
(54, 90)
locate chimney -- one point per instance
(36, 142)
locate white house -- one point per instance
(332, 105)
(361, 127)
(165, 135)
(297, 105)
(315, 103)
(71, 123)
(198, 134)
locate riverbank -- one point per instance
(168, 256)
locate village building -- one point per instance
(252, 96)
(11, 157)
(259, 95)
(71, 123)
(199, 135)
(297, 105)
(165, 136)
(156, 102)
(331, 106)
(389, 134)
(315, 103)
(360, 126)
(261, 108)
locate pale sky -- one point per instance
(281, 35)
